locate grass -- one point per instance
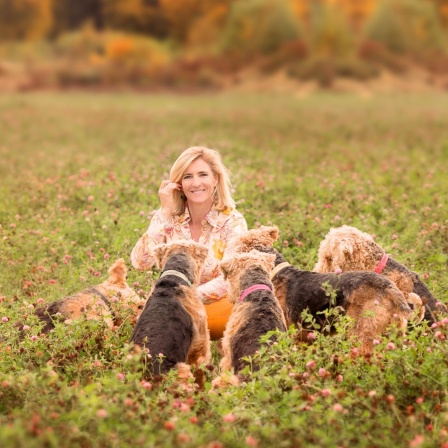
(80, 175)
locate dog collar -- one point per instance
(253, 288)
(105, 300)
(177, 274)
(278, 268)
(382, 264)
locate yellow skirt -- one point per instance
(218, 314)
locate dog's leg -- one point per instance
(184, 374)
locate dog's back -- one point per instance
(256, 310)
(164, 327)
(317, 292)
(172, 326)
(263, 314)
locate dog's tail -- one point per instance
(183, 372)
(224, 380)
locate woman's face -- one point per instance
(199, 182)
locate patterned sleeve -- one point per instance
(158, 230)
(217, 288)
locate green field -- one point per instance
(79, 177)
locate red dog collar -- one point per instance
(253, 288)
(382, 264)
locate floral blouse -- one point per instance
(218, 228)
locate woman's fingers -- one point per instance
(166, 186)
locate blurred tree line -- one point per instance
(182, 20)
(101, 42)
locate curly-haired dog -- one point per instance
(373, 301)
(256, 310)
(174, 322)
(348, 249)
(104, 301)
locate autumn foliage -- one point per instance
(202, 40)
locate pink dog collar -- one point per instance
(382, 264)
(253, 288)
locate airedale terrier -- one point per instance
(172, 327)
(256, 310)
(373, 301)
(348, 249)
(104, 301)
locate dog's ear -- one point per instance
(269, 234)
(158, 252)
(273, 233)
(117, 273)
(225, 267)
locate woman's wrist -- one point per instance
(166, 213)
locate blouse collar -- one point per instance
(214, 217)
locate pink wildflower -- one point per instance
(101, 413)
(322, 372)
(310, 365)
(229, 418)
(251, 441)
(417, 441)
(338, 407)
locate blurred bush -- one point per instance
(214, 43)
(330, 33)
(111, 58)
(25, 19)
(406, 27)
(257, 27)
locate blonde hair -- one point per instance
(222, 198)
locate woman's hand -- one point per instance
(166, 196)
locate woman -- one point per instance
(196, 204)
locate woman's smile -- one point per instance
(199, 182)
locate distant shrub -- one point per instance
(406, 26)
(330, 34)
(91, 58)
(326, 69)
(378, 54)
(259, 27)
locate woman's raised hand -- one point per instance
(166, 196)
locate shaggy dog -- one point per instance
(172, 328)
(256, 310)
(348, 249)
(373, 301)
(102, 301)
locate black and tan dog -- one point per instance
(173, 325)
(256, 310)
(348, 249)
(373, 301)
(109, 301)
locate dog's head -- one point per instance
(191, 254)
(117, 289)
(417, 307)
(245, 269)
(263, 236)
(347, 249)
